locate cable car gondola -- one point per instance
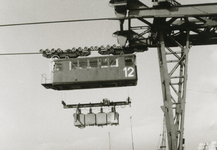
(93, 72)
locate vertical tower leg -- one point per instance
(173, 81)
(165, 83)
(163, 142)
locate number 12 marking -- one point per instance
(129, 71)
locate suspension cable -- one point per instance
(20, 53)
(58, 21)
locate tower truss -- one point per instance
(174, 75)
(172, 28)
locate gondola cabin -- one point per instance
(93, 72)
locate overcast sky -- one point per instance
(32, 117)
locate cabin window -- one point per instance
(58, 66)
(82, 64)
(104, 62)
(93, 63)
(113, 62)
(129, 61)
(73, 65)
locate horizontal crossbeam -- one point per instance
(102, 104)
(198, 10)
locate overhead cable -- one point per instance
(60, 21)
(20, 53)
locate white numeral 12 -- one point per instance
(130, 70)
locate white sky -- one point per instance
(32, 117)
